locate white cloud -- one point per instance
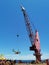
(20, 57)
(25, 57)
(45, 56)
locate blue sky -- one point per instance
(12, 23)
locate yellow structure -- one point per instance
(2, 57)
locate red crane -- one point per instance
(34, 38)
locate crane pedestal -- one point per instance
(36, 54)
(38, 57)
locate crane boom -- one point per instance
(33, 38)
(28, 26)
